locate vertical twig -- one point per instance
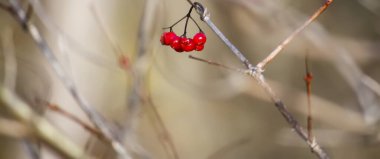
(308, 79)
(89, 110)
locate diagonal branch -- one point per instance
(280, 47)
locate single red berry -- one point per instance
(187, 44)
(199, 47)
(200, 38)
(176, 44)
(167, 38)
(189, 47)
(185, 41)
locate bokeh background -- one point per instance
(172, 107)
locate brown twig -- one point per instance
(216, 64)
(280, 47)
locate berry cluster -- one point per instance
(182, 43)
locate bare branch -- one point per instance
(256, 73)
(205, 16)
(314, 146)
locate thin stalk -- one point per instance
(282, 45)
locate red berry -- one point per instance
(176, 44)
(189, 47)
(167, 38)
(199, 47)
(185, 41)
(187, 44)
(200, 38)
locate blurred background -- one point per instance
(168, 106)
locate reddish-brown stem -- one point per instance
(56, 108)
(216, 64)
(308, 79)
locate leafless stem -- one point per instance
(89, 110)
(216, 64)
(280, 47)
(205, 16)
(314, 146)
(256, 73)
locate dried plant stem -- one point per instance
(89, 110)
(216, 64)
(256, 72)
(39, 127)
(280, 47)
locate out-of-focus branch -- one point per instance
(39, 127)
(87, 108)
(10, 63)
(70, 116)
(14, 129)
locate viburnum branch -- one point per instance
(205, 16)
(92, 114)
(256, 73)
(280, 47)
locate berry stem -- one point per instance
(188, 15)
(200, 30)
(171, 27)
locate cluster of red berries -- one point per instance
(182, 43)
